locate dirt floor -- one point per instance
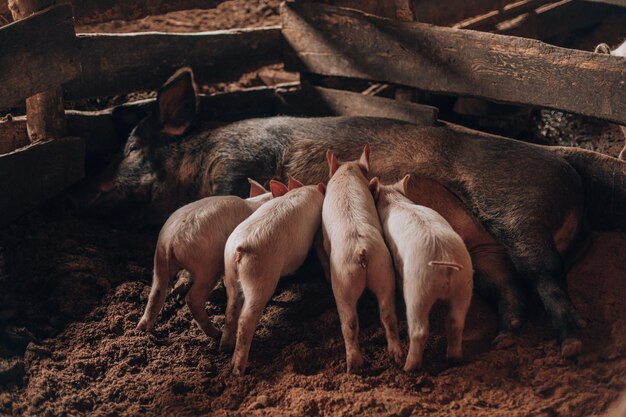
(73, 290)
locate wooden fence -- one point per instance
(41, 54)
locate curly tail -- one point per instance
(604, 181)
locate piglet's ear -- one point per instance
(292, 183)
(364, 161)
(278, 188)
(321, 187)
(406, 182)
(333, 164)
(176, 103)
(374, 187)
(256, 189)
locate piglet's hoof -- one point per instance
(355, 362)
(571, 348)
(143, 325)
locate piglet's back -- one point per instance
(281, 225)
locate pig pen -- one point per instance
(74, 290)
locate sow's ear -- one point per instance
(364, 161)
(333, 164)
(256, 189)
(321, 187)
(125, 118)
(293, 183)
(374, 187)
(278, 188)
(176, 103)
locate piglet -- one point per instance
(358, 256)
(193, 238)
(432, 262)
(271, 243)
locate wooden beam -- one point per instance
(337, 42)
(13, 135)
(98, 130)
(488, 21)
(621, 3)
(555, 19)
(320, 101)
(121, 63)
(383, 8)
(36, 54)
(31, 175)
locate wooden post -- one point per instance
(405, 12)
(44, 111)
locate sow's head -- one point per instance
(136, 180)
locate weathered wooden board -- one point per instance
(383, 8)
(90, 11)
(33, 174)
(320, 101)
(338, 42)
(487, 21)
(621, 3)
(98, 130)
(13, 135)
(37, 53)
(563, 17)
(121, 63)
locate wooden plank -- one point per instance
(621, 3)
(383, 8)
(99, 132)
(563, 17)
(488, 21)
(121, 63)
(320, 101)
(44, 110)
(31, 175)
(338, 42)
(97, 128)
(13, 134)
(31, 48)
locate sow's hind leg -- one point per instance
(538, 260)
(496, 279)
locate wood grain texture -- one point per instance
(98, 131)
(561, 18)
(320, 101)
(13, 134)
(121, 63)
(337, 42)
(487, 21)
(36, 54)
(33, 174)
(621, 3)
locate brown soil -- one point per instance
(57, 270)
(74, 289)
